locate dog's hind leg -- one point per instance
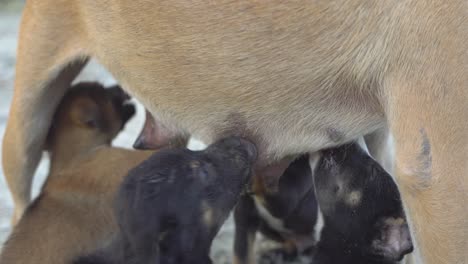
(428, 119)
(50, 55)
(426, 104)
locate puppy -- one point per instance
(172, 205)
(287, 215)
(362, 209)
(73, 212)
(350, 211)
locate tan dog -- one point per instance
(73, 214)
(293, 77)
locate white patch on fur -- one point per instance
(195, 144)
(273, 222)
(314, 159)
(318, 225)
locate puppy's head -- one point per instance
(217, 177)
(88, 110)
(214, 179)
(181, 197)
(361, 202)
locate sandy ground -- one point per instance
(9, 21)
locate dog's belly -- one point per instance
(285, 81)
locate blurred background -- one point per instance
(10, 13)
(9, 18)
(11, 5)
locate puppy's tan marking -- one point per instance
(194, 164)
(208, 215)
(354, 198)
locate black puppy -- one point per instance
(363, 216)
(341, 213)
(171, 206)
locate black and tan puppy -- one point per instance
(74, 213)
(172, 205)
(287, 215)
(362, 210)
(350, 211)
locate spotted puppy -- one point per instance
(171, 206)
(346, 210)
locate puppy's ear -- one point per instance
(391, 239)
(86, 113)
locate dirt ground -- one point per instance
(9, 21)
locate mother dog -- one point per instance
(293, 76)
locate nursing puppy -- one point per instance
(73, 213)
(341, 213)
(363, 217)
(287, 215)
(171, 206)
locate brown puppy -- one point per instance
(74, 211)
(293, 77)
